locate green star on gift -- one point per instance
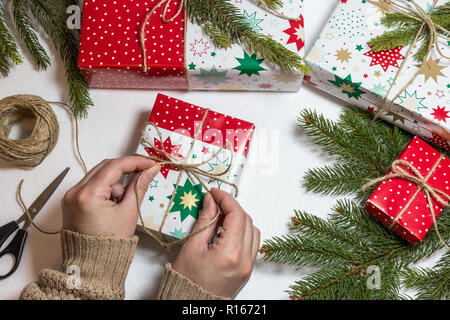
(249, 65)
(178, 233)
(351, 89)
(188, 200)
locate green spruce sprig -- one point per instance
(347, 247)
(50, 15)
(225, 19)
(405, 29)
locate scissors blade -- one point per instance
(42, 199)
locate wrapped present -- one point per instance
(179, 55)
(213, 144)
(345, 65)
(414, 190)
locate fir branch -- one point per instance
(406, 28)
(25, 28)
(8, 47)
(431, 284)
(52, 18)
(272, 4)
(219, 39)
(227, 18)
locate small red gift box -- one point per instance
(401, 204)
(110, 51)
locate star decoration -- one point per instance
(218, 167)
(351, 89)
(296, 33)
(440, 94)
(192, 66)
(249, 65)
(359, 47)
(396, 117)
(385, 58)
(440, 114)
(178, 233)
(213, 54)
(170, 149)
(153, 184)
(377, 74)
(188, 200)
(379, 90)
(151, 198)
(411, 102)
(343, 55)
(213, 76)
(432, 69)
(205, 150)
(252, 21)
(150, 223)
(382, 6)
(161, 205)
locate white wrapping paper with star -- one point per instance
(221, 146)
(345, 65)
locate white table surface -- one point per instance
(271, 187)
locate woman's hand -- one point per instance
(99, 205)
(225, 267)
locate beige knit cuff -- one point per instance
(176, 286)
(102, 262)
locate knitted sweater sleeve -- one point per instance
(95, 268)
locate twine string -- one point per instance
(31, 151)
(419, 14)
(405, 170)
(191, 169)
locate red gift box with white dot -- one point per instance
(391, 196)
(218, 142)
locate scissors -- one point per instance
(15, 247)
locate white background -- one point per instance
(112, 130)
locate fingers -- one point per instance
(111, 172)
(117, 192)
(206, 216)
(234, 217)
(143, 179)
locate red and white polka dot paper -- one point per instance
(110, 51)
(344, 65)
(391, 196)
(111, 55)
(178, 123)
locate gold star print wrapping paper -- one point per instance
(343, 64)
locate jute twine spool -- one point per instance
(30, 151)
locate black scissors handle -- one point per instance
(15, 247)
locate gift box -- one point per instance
(180, 55)
(218, 144)
(400, 203)
(343, 64)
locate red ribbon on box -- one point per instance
(413, 193)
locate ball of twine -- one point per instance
(32, 150)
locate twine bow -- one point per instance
(417, 13)
(192, 169)
(412, 174)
